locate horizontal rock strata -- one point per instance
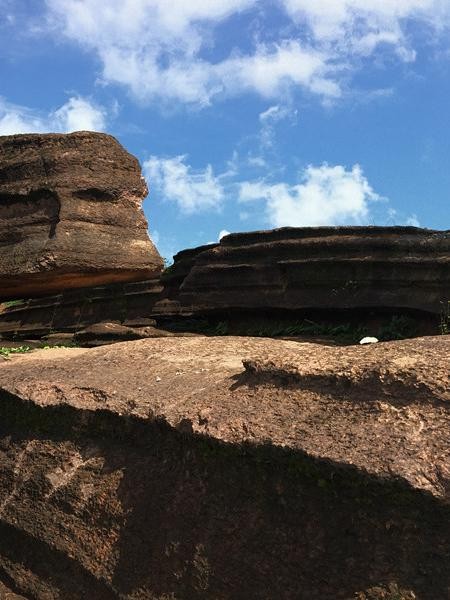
(231, 468)
(73, 310)
(329, 268)
(70, 215)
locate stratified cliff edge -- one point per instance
(327, 268)
(364, 276)
(226, 468)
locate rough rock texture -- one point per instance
(356, 275)
(70, 214)
(6, 594)
(73, 310)
(111, 333)
(226, 468)
(313, 268)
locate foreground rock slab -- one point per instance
(70, 214)
(199, 468)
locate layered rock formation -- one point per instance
(70, 215)
(329, 268)
(228, 468)
(73, 310)
(355, 275)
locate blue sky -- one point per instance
(246, 114)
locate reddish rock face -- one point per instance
(70, 214)
(324, 268)
(226, 468)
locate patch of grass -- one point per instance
(271, 328)
(5, 351)
(169, 269)
(445, 318)
(51, 346)
(11, 303)
(400, 327)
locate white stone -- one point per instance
(369, 340)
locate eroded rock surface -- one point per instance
(328, 268)
(6, 594)
(228, 468)
(70, 214)
(73, 310)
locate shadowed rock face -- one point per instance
(70, 214)
(127, 303)
(226, 468)
(362, 276)
(313, 268)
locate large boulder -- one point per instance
(70, 214)
(313, 268)
(231, 468)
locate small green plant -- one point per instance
(399, 327)
(273, 328)
(11, 303)
(52, 346)
(445, 318)
(169, 268)
(221, 328)
(5, 351)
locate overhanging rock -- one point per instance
(70, 215)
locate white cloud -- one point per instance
(413, 221)
(271, 69)
(222, 234)
(157, 48)
(78, 114)
(274, 114)
(362, 25)
(154, 48)
(192, 190)
(327, 195)
(257, 161)
(269, 119)
(17, 119)
(75, 115)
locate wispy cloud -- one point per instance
(75, 115)
(157, 55)
(156, 48)
(362, 25)
(193, 190)
(270, 118)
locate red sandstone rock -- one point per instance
(70, 215)
(313, 268)
(228, 468)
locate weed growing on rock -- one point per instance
(5, 351)
(445, 318)
(11, 303)
(398, 328)
(52, 346)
